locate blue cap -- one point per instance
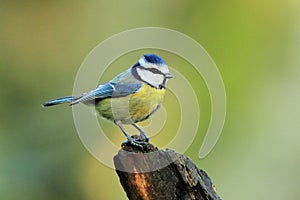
(154, 59)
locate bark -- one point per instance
(149, 174)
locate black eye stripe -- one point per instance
(153, 70)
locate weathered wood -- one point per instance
(150, 174)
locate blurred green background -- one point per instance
(255, 45)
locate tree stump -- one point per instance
(149, 174)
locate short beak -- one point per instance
(168, 75)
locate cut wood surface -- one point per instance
(148, 174)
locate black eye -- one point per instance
(155, 71)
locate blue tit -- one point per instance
(130, 97)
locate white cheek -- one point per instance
(149, 77)
(157, 78)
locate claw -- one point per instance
(134, 142)
(145, 138)
(143, 135)
(139, 142)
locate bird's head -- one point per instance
(152, 70)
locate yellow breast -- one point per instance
(133, 108)
(144, 102)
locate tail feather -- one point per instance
(61, 100)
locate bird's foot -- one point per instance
(144, 138)
(136, 142)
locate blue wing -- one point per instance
(108, 90)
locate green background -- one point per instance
(255, 45)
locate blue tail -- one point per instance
(61, 100)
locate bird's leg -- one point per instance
(129, 138)
(142, 133)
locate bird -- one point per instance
(130, 97)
